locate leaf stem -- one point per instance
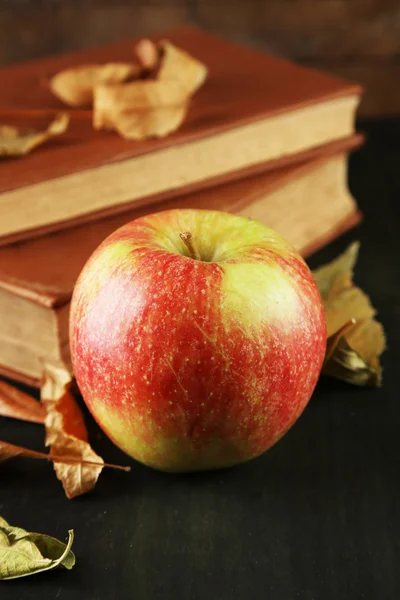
(8, 451)
(86, 463)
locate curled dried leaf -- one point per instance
(347, 364)
(18, 405)
(334, 340)
(147, 54)
(177, 66)
(23, 553)
(75, 86)
(15, 141)
(140, 109)
(355, 338)
(150, 108)
(66, 434)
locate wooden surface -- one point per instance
(357, 38)
(316, 518)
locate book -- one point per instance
(309, 204)
(255, 112)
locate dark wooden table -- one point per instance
(316, 518)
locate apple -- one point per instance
(197, 338)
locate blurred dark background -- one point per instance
(359, 39)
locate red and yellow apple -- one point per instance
(197, 338)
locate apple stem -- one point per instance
(187, 239)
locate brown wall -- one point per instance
(359, 39)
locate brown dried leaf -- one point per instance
(76, 464)
(355, 339)
(140, 109)
(75, 86)
(18, 405)
(15, 141)
(66, 434)
(177, 66)
(147, 54)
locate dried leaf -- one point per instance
(177, 66)
(17, 142)
(9, 451)
(140, 109)
(355, 338)
(18, 405)
(147, 54)
(152, 107)
(23, 553)
(66, 434)
(347, 364)
(75, 86)
(76, 464)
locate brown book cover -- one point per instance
(45, 269)
(244, 87)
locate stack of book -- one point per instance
(264, 138)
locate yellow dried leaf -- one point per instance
(177, 66)
(151, 107)
(66, 435)
(140, 109)
(18, 405)
(355, 339)
(15, 141)
(75, 86)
